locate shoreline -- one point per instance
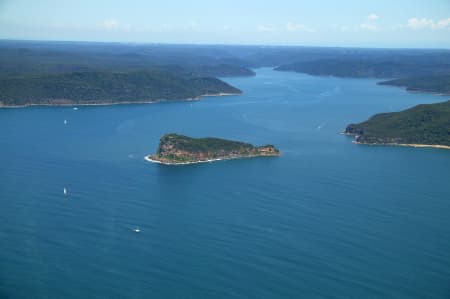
(416, 145)
(220, 94)
(414, 90)
(148, 158)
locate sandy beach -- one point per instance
(407, 144)
(120, 103)
(149, 159)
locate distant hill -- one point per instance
(106, 88)
(394, 67)
(20, 58)
(89, 72)
(413, 72)
(55, 73)
(427, 124)
(436, 83)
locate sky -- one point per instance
(362, 23)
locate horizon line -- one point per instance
(221, 44)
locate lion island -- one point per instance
(175, 149)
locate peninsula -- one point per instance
(426, 125)
(106, 88)
(179, 149)
(439, 84)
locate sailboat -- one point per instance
(65, 191)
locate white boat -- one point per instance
(75, 108)
(136, 230)
(65, 191)
(65, 121)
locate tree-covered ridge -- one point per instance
(106, 87)
(46, 58)
(436, 83)
(103, 73)
(423, 124)
(371, 68)
(41, 62)
(175, 148)
(414, 73)
(37, 57)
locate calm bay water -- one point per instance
(328, 219)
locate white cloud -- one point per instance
(444, 23)
(297, 27)
(264, 28)
(425, 23)
(114, 24)
(416, 23)
(370, 24)
(110, 24)
(372, 17)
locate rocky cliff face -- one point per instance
(174, 148)
(353, 130)
(362, 137)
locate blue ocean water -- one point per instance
(327, 219)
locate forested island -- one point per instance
(180, 149)
(425, 125)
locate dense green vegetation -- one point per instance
(436, 83)
(433, 71)
(394, 67)
(102, 73)
(23, 57)
(90, 71)
(106, 87)
(422, 124)
(175, 148)
(197, 145)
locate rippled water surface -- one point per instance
(328, 219)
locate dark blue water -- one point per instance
(328, 219)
